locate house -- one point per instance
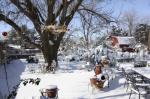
(125, 43)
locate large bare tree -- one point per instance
(41, 14)
(130, 20)
(89, 26)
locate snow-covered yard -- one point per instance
(72, 83)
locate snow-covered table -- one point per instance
(126, 65)
(145, 71)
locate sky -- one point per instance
(141, 7)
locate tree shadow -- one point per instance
(14, 71)
(113, 84)
(69, 67)
(113, 96)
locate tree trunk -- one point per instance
(50, 50)
(50, 54)
(47, 53)
(87, 45)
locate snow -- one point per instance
(126, 40)
(15, 46)
(126, 65)
(72, 83)
(14, 70)
(51, 42)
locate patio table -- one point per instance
(144, 71)
(126, 65)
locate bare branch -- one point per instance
(30, 11)
(17, 28)
(50, 14)
(64, 12)
(61, 7)
(70, 16)
(96, 13)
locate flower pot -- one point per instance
(50, 91)
(97, 70)
(97, 83)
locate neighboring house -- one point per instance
(124, 43)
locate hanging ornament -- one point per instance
(5, 34)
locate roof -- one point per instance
(125, 40)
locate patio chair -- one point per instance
(140, 89)
(129, 77)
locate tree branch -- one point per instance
(64, 12)
(31, 12)
(61, 7)
(70, 16)
(96, 13)
(18, 29)
(58, 11)
(50, 14)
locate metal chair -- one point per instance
(129, 76)
(139, 88)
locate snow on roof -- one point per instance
(125, 40)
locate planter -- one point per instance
(50, 91)
(98, 84)
(98, 70)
